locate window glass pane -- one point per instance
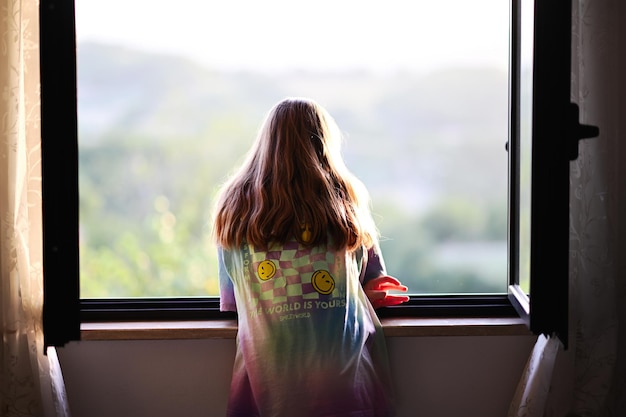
(525, 156)
(170, 97)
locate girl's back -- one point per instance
(309, 343)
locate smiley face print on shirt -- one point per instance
(266, 270)
(323, 282)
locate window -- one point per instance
(164, 116)
(63, 161)
(544, 138)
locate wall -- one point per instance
(590, 379)
(434, 376)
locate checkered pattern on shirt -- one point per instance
(295, 265)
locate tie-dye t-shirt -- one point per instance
(309, 342)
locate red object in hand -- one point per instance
(377, 291)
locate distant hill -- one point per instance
(406, 133)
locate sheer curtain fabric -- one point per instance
(30, 381)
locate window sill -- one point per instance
(227, 329)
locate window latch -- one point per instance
(577, 131)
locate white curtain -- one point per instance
(589, 380)
(532, 392)
(31, 383)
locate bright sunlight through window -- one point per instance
(170, 96)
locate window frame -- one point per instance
(64, 310)
(59, 161)
(545, 309)
(203, 308)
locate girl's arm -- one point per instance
(227, 289)
(377, 283)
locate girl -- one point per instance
(299, 262)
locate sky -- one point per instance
(271, 35)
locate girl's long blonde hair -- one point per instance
(294, 178)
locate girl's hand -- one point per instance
(377, 289)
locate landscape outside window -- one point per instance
(170, 99)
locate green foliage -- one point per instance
(456, 219)
(430, 258)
